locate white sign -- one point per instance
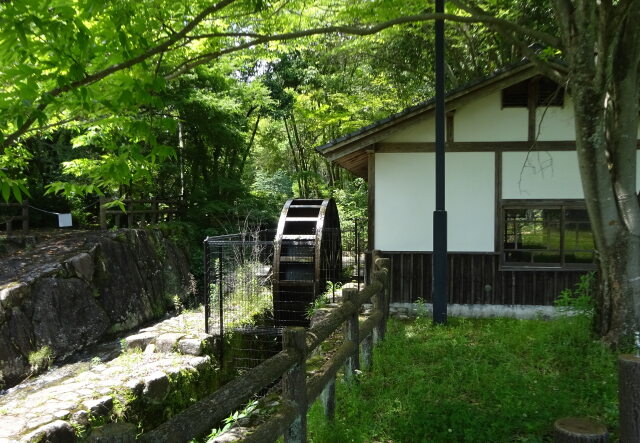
(64, 220)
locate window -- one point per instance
(546, 93)
(547, 235)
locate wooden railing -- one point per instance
(10, 219)
(299, 390)
(139, 212)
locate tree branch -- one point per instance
(358, 30)
(47, 97)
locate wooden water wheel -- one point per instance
(307, 255)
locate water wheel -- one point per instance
(307, 255)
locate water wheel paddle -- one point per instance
(307, 255)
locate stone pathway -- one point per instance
(63, 403)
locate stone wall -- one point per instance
(114, 282)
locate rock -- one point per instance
(100, 406)
(58, 431)
(82, 266)
(114, 433)
(135, 386)
(190, 346)
(66, 317)
(199, 363)
(112, 282)
(233, 434)
(168, 342)
(156, 386)
(16, 340)
(81, 418)
(12, 294)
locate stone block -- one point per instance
(168, 342)
(82, 266)
(199, 363)
(114, 433)
(156, 386)
(13, 294)
(139, 341)
(136, 386)
(58, 431)
(190, 346)
(100, 406)
(81, 418)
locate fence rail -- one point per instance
(23, 218)
(290, 364)
(140, 211)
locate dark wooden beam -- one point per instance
(478, 146)
(371, 230)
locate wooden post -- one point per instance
(351, 333)
(377, 301)
(629, 397)
(294, 383)
(366, 349)
(155, 214)
(382, 264)
(328, 398)
(130, 214)
(25, 216)
(580, 430)
(103, 213)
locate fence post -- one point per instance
(130, 214)
(382, 264)
(103, 213)
(294, 383)
(155, 214)
(367, 352)
(351, 333)
(328, 398)
(25, 217)
(629, 397)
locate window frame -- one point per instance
(561, 205)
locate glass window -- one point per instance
(547, 236)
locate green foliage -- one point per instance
(580, 300)
(231, 420)
(41, 359)
(481, 380)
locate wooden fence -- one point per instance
(23, 218)
(299, 390)
(478, 278)
(140, 212)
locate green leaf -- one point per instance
(6, 191)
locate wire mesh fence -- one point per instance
(257, 283)
(354, 250)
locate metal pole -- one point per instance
(355, 234)
(440, 270)
(220, 306)
(207, 289)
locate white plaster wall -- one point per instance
(421, 131)
(483, 120)
(541, 174)
(556, 123)
(405, 201)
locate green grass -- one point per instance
(497, 380)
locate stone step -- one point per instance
(156, 361)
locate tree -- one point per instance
(66, 63)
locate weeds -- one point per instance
(580, 299)
(41, 359)
(480, 380)
(232, 420)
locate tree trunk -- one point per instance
(604, 89)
